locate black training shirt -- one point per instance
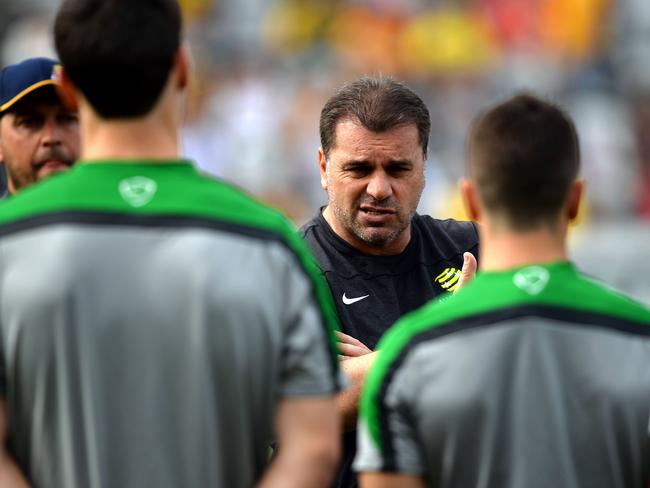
(372, 292)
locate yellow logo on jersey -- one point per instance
(448, 279)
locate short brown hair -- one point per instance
(524, 155)
(379, 104)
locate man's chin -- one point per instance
(377, 236)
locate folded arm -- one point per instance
(355, 369)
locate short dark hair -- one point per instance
(379, 104)
(524, 154)
(119, 53)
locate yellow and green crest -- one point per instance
(448, 279)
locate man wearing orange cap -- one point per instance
(38, 134)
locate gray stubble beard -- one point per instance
(361, 233)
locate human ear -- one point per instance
(576, 193)
(66, 89)
(470, 199)
(322, 165)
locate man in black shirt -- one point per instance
(381, 259)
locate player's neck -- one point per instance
(122, 143)
(504, 250)
(154, 136)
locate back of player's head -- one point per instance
(524, 156)
(379, 104)
(119, 53)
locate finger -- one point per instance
(468, 271)
(348, 339)
(343, 358)
(352, 350)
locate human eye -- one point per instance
(28, 121)
(358, 169)
(400, 168)
(68, 118)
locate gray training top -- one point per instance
(534, 377)
(150, 320)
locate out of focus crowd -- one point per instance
(264, 69)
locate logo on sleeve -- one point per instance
(137, 191)
(448, 279)
(532, 280)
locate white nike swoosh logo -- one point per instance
(350, 301)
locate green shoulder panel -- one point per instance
(390, 346)
(172, 188)
(555, 285)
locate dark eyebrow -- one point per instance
(353, 163)
(38, 109)
(67, 112)
(25, 112)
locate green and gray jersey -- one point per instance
(151, 318)
(531, 377)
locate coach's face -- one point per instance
(374, 181)
(36, 140)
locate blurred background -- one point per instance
(264, 69)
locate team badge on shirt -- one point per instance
(448, 279)
(137, 191)
(532, 279)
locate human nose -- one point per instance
(379, 186)
(51, 133)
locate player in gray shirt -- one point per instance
(531, 376)
(158, 328)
